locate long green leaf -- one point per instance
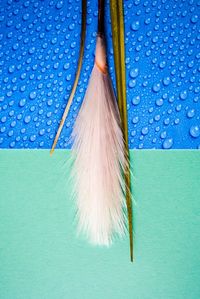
(117, 22)
(80, 60)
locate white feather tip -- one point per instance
(99, 158)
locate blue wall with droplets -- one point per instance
(39, 46)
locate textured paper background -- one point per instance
(41, 257)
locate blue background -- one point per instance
(39, 47)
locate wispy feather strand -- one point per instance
(99, 159)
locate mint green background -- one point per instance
(41, 257)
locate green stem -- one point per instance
(117, 21)
(116, 47)
(80, 60)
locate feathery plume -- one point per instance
(99, 157)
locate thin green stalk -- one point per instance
(125, 124)
(116, 47)
(80, 60)
(117, 21)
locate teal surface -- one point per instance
(42, 258)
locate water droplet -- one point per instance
(162, 64)
(133, 133)
(32, 138)
(25, 16)
(159, 102)
(190, 113)
(54, 40)
(31, 51)
(15, 46)
(132, 83)
(32, 95)
(12, 144)
(3, 119)
(13, 124)
(167, 144)
(22, 102)
(163, 135)
(195, 131)
(177, 120)
(183, 95)
(134, 73)
(59, 4)
(166, 81)
(156, 87)
(71, 26)
(27, 119)
(157, 117)
(166, 121)
(11, 69)
(66, 66)
(73, 45)
(49, 102)
(194, 19)
(10, 133)
(32, 108)
(178, 108)
(135, 120)
(41, 132)
(145, 130)
(136, 100)
(135, 25)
